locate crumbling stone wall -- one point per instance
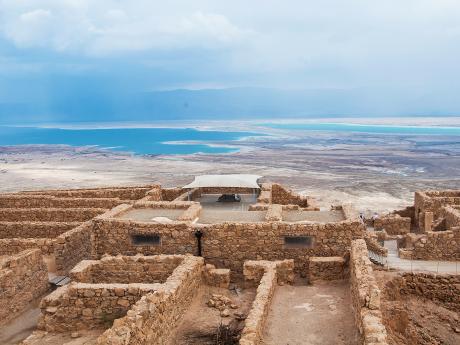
(126, 269)
(9, 246)
(283, 196)
(23, 278)
(432, 202)
(228, 245)
(441, 288)
(154, 317)
(81, 305)
(393, 224)
(169, 194)
(48, 201)
(265, 275)
(326, 268)
(122, 193)
(49, 214)
(29, 229)
(365, 295)
(451, 216)
(73, 246)
(433, 245)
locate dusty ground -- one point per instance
(200, 323)
(81, 338)
(21, 327)
(318, 314)
(412, 320)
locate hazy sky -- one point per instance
(50, 46)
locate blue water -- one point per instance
(379, 129)
(136, 140)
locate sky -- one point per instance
(70, 59)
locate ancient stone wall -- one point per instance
(9, 246)
(326, 268)
(433, 245)
(126, 269)
(283, 196)
(451, 215)
(154, 317)
(365, 295)
(29, 229)
(441, 288)
(23, 278)
(265, 275)
(393, 224)
(73, 246)
(49, 214)
(228, 245)
(47, 201)
(169, 194)
(122, 193)
(433, 201)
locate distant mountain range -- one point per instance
(233, 103)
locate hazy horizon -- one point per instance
(72, 61)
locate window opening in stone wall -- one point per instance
(145, 240)
(298, 241)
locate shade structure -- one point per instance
(232, 181)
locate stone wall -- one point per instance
(28, 229)
(365, 295)
(451, 215)
(23, 278)
(326, 268)
(38, 201)
(228, 245)
(393, 224)
(433, 201)
(49, 214)
(126, 269)
(123, 193)
(265, 275)
(9, 246)
(154, 317)
(73, 246)
(433, 245)
(79, 306)
(441, 288)
(283, 196)
(169, 194)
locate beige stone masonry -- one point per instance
(219, 277)
(393, 224)
(23, 278)
(365, 295)
(265, 275)
(326, 268)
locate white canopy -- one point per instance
(233, 181)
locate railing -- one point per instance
(377, 259)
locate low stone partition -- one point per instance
(154, 317)
(393, 224)
(433, 245)
(96, 302)
(73, 246)
(266, 275)
(23, 278)
(326, 268)
(122, 193)
(274, 213)
(29, 229)
(169, 194)
(192, 213)
(49, 201)
(126, 269)
(49, 214)
(219, 277)
(365, 295)
(283, 196)
(9, 246)
(440, 288)
(373, 244)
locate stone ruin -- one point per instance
(138, 257)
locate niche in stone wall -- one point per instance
(299, 241)
(146, 240)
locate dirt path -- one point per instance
(318, 314)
